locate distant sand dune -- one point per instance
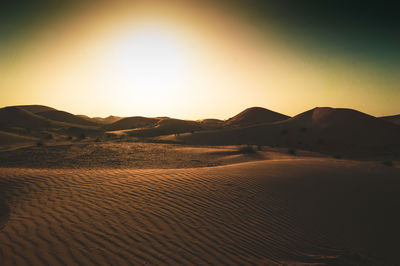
(309, 211)
(320, 129)
(393, 119)
(132, 122)
(35, 108)
(9, 139)
(66, 117)
(255, 115)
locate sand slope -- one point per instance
(12, 118)
(66, 117)
(255, 115)
(9, 139)
(35, 108)
(321, 129)
(167, 126)
(17, 117)
(132, 122)
(211, 123)
(259, 213)
(393, 119)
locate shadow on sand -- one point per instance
(4, 213)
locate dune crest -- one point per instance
(255, 115)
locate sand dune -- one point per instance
(132, 122)
(35, 108)
(153, 127)
(259, 213)
(66, 117)
(255, 115)
(211, 123)
(50, 124)
(393, 119)
(109, 119)
(16, 117)
(9, 139)
(167, 126)
(321, 129)
(102, 120)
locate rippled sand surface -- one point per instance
(264, 212)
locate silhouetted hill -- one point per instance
(25, 124)
(255, 115)
(100, 120)
(321, 129)
(17, 117)
(167, 126)
(131, 123)
(393, 119)
(66, 117)
(9, 139)
(211, 123)
(35, 108)
(109, 119)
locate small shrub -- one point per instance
(49, 136)
(40, 144)
(97, 139)
(246, 149)
(337, 156)
(82, 136)
(69, 138)
(260, 148)
(388, 163)
(292, 151)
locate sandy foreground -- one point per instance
(286, 211)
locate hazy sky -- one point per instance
(199, 59)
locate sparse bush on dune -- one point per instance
(292, 151)
(260, 148)
(337, 156)
(246, 149)
(49, 136)
(40, 144)
(82, 136)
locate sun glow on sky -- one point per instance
(148, 63)
(186, 61)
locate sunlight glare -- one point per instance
(149, 62)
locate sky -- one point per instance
(199, 59)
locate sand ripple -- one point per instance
(253, 213)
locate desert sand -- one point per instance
(257, 213)
(320, 188)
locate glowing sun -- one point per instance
(149, 62)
